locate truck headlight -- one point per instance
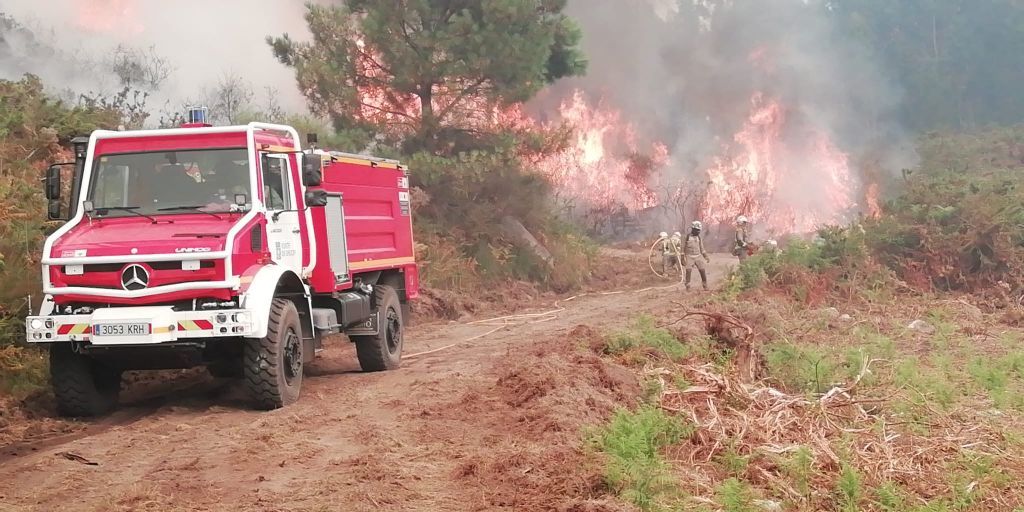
(242, 318)
(36, 324)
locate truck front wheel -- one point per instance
(82, 386)
(272, 366)
(384, 350)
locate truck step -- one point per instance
(325, 320)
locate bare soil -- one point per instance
(495, 423)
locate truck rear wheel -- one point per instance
(272, 366)
(81, 385)
(384, 350)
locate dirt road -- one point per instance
(490, 424)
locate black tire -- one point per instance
(82, 386)
(383, 351)
(272, 366)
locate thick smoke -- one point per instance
(684, 73)
(69, 44)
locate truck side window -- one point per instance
(111, 185)
(275, 183)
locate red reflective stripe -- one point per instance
(88, 330)
(64, 328)
(204, 324)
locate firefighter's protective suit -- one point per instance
(742, 239)
(695, 256)
(671, 253)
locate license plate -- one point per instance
(125, 329)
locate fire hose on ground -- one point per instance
(504, 322)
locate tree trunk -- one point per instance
(428, 125)
(524, 239)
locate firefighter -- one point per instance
(669, 252)
(694, 255)
(742, 238)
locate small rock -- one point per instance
(921, 326)
(845, 318)
(769, 505)
(830, 312)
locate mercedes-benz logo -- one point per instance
(134, 277)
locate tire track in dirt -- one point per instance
(488, 425)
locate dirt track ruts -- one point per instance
(355, 441)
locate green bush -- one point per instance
(35, 131)
(631, 443)
(644, 334)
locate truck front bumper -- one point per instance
(139, 326)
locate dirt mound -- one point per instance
(30, 419)
(529, 417)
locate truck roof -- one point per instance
(267, 137)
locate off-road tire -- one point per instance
(272, 366)
(383, 351)
(81, 385)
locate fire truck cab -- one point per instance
(230, 247)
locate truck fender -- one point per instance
(268, 283)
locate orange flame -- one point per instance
(599, 166)
(109, 16)
(785, 187)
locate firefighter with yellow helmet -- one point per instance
(694, 254)
(742, 238)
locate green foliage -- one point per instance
(849, 489)
(941, 50)
(834, 247)
(1001, 377)
(34, 131)
(434, 70)
(469, 198)
(732, 462)
(800, 470)
(644, 335)
(735, 495)
(890, 498)
(23, 371)
(631, 443)
(801, 368)
(958, 223)
(932, 384)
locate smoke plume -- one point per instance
(202, 42)
(690, 74)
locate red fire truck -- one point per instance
(230, 247)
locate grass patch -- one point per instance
(735, 495)
(849, 489)
(801, 368)
(635, 470)
(644, 335)
(1001, 378)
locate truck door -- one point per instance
(284, 237)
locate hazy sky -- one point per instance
(202, 39)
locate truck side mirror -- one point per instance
(316, 198)
(53, 183)
(54, 211)
(312, 170)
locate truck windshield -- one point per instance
(171, 182)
